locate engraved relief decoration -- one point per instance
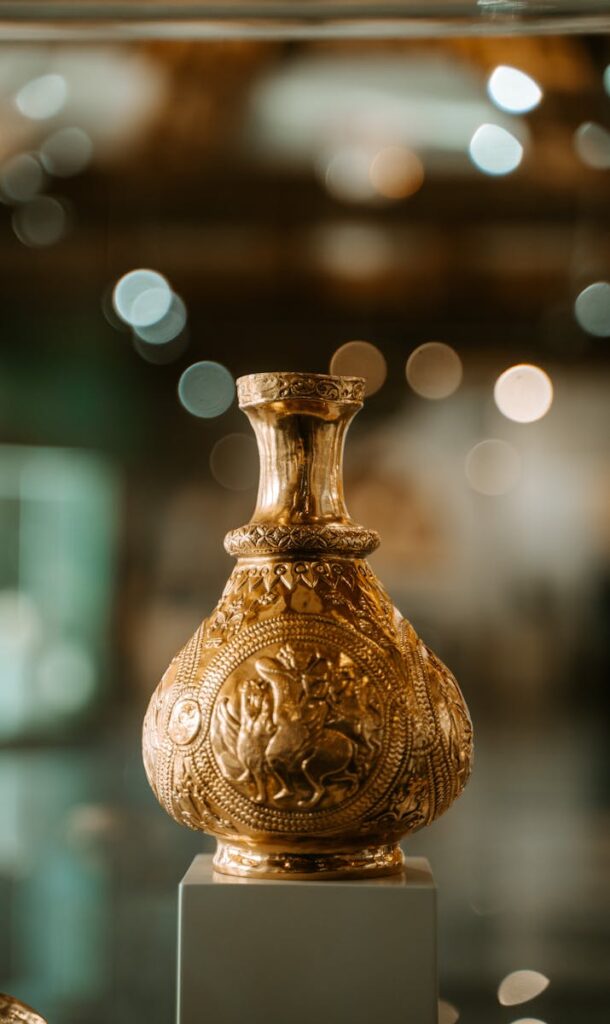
(348, 590)
(305, 693)
(273, 387)
(438, 760)
(301, 731)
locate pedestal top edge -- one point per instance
(416, 874)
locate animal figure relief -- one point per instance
(301, 731)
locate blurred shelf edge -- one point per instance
(132, 20)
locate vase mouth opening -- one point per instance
(279, 385)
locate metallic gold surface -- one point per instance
(369, 862)
(305, 724)
(12, 1011)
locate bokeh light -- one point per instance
(606, 79)
(161, 355)
(352, 251)
(87, 825)
(66, 152)
(66, 677)
(167, 327)
(362, 173)
(494, 150)
(528, 1020)
(592, 309)
(40, 222)
(493, 467)
(361, 359)
(520, 987)
(234, 462)
(592, 143)
(447, 1013)
(21, 177)
(142, 297)
(150, 307)
(396, 172)
(42, 97)
(157, 316)
(434, 370)
(512, 90)
(347, 174)
(110, 313)
(206, 389)
(20, 618)
(523, 393)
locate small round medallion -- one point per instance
(185, 721)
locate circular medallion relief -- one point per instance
(299, 726)
(302, 723)
(184, 721)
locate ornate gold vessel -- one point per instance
(12, 1011)
(305, 724)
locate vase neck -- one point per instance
(300, 422)
(301, 463)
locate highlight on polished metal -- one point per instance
(305, 724)
(12, 1011)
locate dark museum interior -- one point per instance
(431, 213)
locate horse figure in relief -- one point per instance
(302, 744)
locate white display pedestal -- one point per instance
(263, 952)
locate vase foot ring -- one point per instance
(248, 862)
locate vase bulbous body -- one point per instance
(305, 724)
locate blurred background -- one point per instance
(433, 215)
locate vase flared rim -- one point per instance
(279, 385)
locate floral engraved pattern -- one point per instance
(269, 387)
(439, 762)
(301, 730)
(269, 538)
(346, 590)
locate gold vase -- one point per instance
(13, 1011)
(305, 724)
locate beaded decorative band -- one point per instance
(270, 387)
(271, 539)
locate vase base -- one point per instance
(247, 862)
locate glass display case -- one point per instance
(415, 192)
